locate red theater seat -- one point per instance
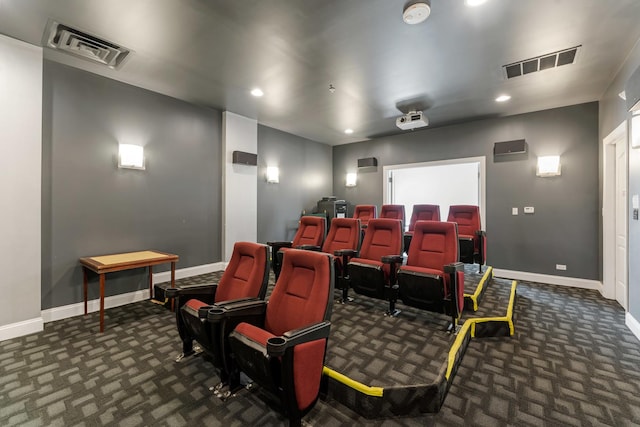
(284, 350)
(310, 235)
(433, 279)
(365, 213)
(473, 242)
(246, 276)
(372, 272)
(393, 212)
(343, 241)
(420, 213)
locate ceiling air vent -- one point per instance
(84, 45)
(542, 62)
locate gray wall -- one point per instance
(613, 111)
(305, 177)
(90, 207)
(564, 228)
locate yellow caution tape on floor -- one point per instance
(478, 291)
(508, 318)
(471, 324)
(370, 391)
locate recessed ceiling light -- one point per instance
(416, 12)
(257, 92)
(348, 131)
(503, 98)
(473, 3)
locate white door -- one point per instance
(443, 183)
(621, 223)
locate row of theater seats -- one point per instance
(471, 236)
(312, 229)
(281, 344)
(432, 278)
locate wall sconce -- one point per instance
(352, 177)
(548, 166)
(131, 156)
(273, 175)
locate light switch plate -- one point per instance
(514, 211)
(529, 209)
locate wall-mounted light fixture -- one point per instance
(351, 180)
(548, 166)
(273, 174)
(131, 156)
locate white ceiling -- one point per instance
(213, 53)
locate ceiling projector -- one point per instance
(412, 120)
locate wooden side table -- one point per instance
(125, 261)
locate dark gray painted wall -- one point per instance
(305, 177)
(90, 207)
(564, 228)
(613, 111)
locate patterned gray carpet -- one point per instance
(571, 362)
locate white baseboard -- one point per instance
(573, 282)
(77, 309)
(19, 329)
(165, 276)
(632, 324)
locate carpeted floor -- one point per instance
(571, 362)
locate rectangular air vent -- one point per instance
(84, 45)
(542, 62)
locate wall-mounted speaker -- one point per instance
(242, 158)
(367, 162)
(518, 146)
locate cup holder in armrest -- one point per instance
(215, 314)
(276, 346)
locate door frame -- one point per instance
(620, 133)
(482, 170)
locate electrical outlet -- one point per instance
(562, 267)
(514, 211)
(529, 209)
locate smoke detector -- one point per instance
(416, 12)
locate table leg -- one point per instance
(173, 284)
(102, 302)
(85, 281)
(150, 282)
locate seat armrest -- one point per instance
(280, 244)
(453, 267)
(309, 247)
(392, 259)
(348, 252)
(181, 291)
(276, 346)
(236, 308)
(203, 312)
